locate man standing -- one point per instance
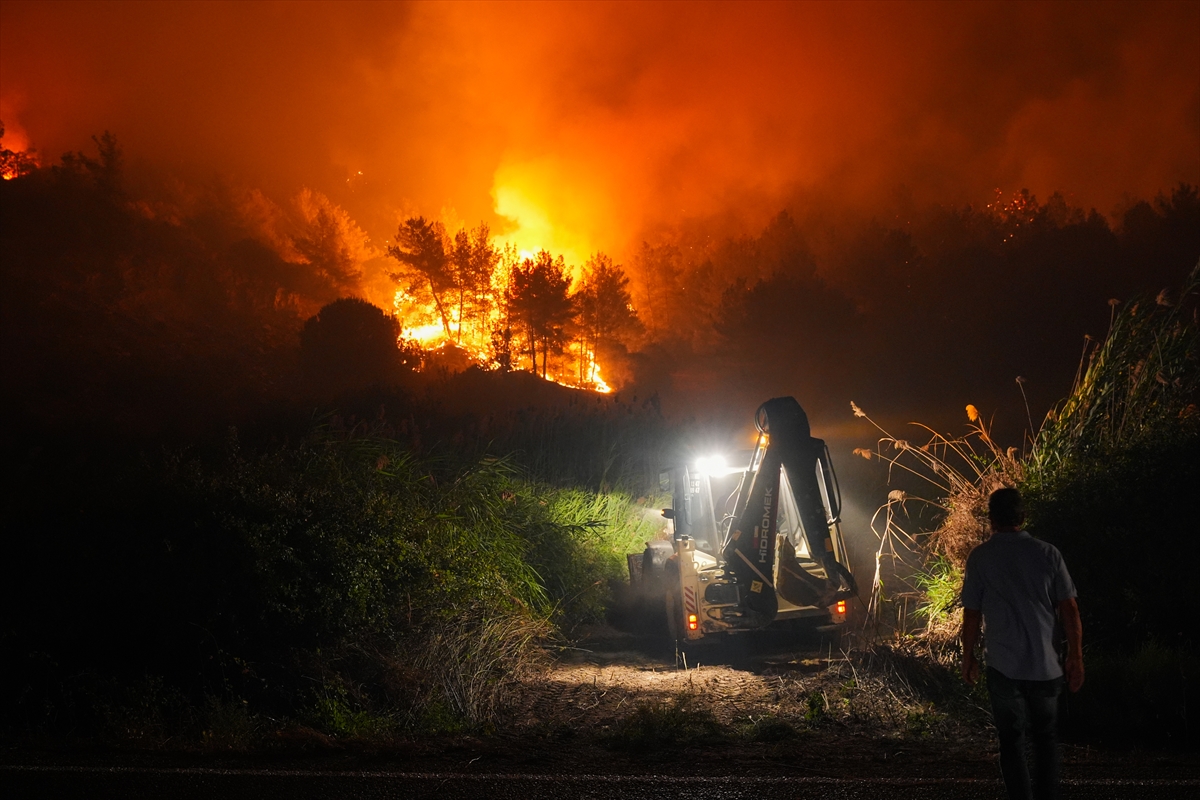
(1019, 586)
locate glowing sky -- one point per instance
(588, 125)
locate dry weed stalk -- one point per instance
(962, 471)
(472, 661)
(896, 690)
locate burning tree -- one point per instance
(473, 260)
(421, 250)
(539, 306)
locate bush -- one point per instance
(1112, 476)
(1125, 523)
(338, 579)
(1110, 481)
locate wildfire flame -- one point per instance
(16, 163)
(542, 217)
(422, 326)
(532, 224)
(17, 158)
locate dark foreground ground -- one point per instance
(786, 718)
(534, 769)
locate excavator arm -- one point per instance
(771, 550)
(786, 449)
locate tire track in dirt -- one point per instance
(609, 675)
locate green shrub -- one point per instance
(1111, 479)
(940, 584)
(816, 708)
(336, 713)
(412, 590)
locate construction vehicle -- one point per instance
(751, 546)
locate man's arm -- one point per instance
(1068, 612)
(972, 618)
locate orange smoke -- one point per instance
(579, 127)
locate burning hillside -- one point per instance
(508, 309)
(16, 160)
(221, 280)
(623, 170)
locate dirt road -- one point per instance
(266, 784)
(763, 717)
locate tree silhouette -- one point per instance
(106, 172)
(350, 344)
(502, 348)
(605, 311)
(660, 271)
(539, 305)
(331, 242)
(421, 250)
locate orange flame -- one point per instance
(422, 325)
(17, 158)
(16, 163)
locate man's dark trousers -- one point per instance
(1020, 708)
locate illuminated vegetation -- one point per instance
(414, 589)
(1109, 479)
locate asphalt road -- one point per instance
(148, 783)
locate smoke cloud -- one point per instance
(584, 126)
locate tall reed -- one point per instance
(1139, 383)
(959, 472)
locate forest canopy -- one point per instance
(203, 295)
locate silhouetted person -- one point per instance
(1019, 588)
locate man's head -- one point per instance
(1005, 509)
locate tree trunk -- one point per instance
(441, 309)
(460, 314)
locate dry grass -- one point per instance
(1138, 385)
(960, 472)
(472, 664)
